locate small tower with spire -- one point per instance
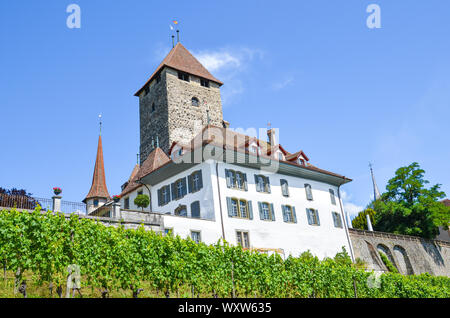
(98, 194)
(376, 192)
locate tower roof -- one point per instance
(181, 59)
(98, 187)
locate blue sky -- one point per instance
(345, 94)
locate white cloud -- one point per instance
(215, 61)
(350, 208)
(280, 85)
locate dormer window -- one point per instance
(280, 156)
(254, 149)
(300, 161)
(204, 82)
(183, 76)
(195, 101)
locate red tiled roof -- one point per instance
(446, 202)
(155, 159)
(131, 184)
(98, 187)
(181, 59)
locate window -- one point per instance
(236, 179)
(240, 208)
(337, 219)
(195, 101)
(168, 231)
(300, 161)
(126, 203)
(195, 209)
(266, 211)
(183, 76)
(158, 78)
(262, 183)
(140, 192)
(308, 191)
(147, 89)
(333, 198)
(153, 107)
(95, 203)
(195, 181)
(313, 217)
(164, 195)
(242, 239)
(204, 82)
(254, 149)
(196, 237)
(284, 187)
(289, 215)
(179, 189)
(181, 210)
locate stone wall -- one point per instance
(174, 117)
(411, 255)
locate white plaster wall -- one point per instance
(132, 195)
(294, 238)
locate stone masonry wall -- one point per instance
(411, 255)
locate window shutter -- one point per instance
(195, 209)
(250, 210)
(261, 216)
(184, 186)
(308, 192)
(159, 197)
(245, 182)
(200, 180)
(317, 216)
(230, 207)
(190, 184)
(308, 214)
(333, 199)
(294, 214)
(257, 184)
(283, 209)
(227, 176)
(174, 191)
(268, 184)
(272, 211)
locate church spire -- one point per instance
(98, 187)
(376, 192)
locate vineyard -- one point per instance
(37, 249)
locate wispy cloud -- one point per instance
(229, 64)
(284, 83)
(350, 208)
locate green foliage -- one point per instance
(42, 245)
(142, 201)
(360, 222)
(388, 263)
(409, 208)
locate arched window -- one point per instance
(195, 101)
(181, 210)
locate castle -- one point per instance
(208, 181)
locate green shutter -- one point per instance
(200, 180)
(245, 182)
(257, 184)
(174, 191)
(184, 186)
(268, 184)
(250, 210)
(294, 214)
(227, 177)
(230, 207)
(308, 214)
(317, 217)
(159, 197)
(260, 211)
(272, 211)
(283, 209)
(190, 184)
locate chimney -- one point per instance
(271, 137)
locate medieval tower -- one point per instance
(180, 98)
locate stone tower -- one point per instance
(177, 101)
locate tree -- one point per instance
(408, 207)
(360, 222)
(142, 201)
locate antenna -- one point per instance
(178, 36)
(173, 41)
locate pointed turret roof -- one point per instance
(98, 187)
(181, 59)
(376, 192)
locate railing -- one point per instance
(30, 203)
